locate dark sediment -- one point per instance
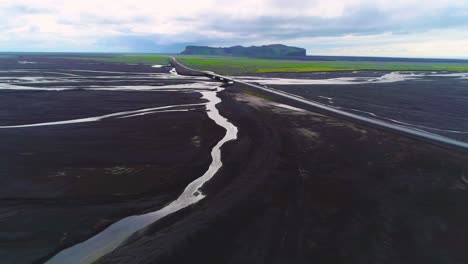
(435, 104)
(296, 187)
(303, 188)
(62, 184)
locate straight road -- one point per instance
(298, 101)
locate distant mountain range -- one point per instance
(275, 50)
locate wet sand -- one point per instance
(295, 186)
(434, 102)
(299, 187)
(66, 181)
(115, 235)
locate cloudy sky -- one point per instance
(406, 28)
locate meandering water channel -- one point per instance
(116, 234)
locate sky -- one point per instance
(390, 28)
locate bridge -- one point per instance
(303, 103)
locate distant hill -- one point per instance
(276, 50)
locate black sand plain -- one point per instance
(436, 104)
(299, 187)
(295, 187)
(61, 184)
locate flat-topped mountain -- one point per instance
(275, 50)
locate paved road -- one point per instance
(307, 104)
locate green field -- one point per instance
(124, 58)
(230, 65)
(236, 65)
(140, 58)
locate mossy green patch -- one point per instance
(238, 65)
(234, 65)
(139, 59)
(148, 59)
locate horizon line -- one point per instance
(175, 53)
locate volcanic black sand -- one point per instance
(61, 184)
(295, 187)
(298, 187)
(430, 101)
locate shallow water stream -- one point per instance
(116, 234)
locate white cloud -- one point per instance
(58, 24)
(432, 44)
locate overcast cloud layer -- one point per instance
(408, 28)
